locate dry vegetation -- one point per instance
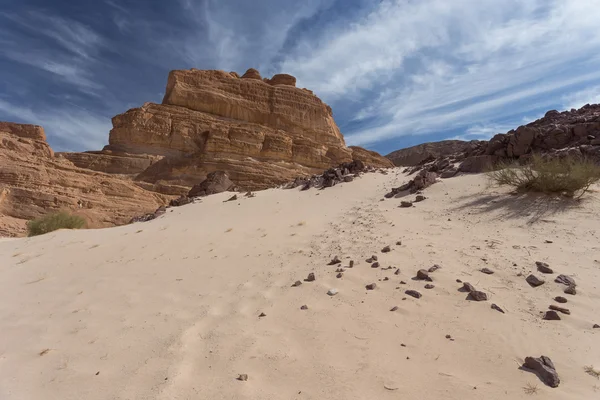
(590, 370)
(55, 221)
(563, 176)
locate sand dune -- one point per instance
(169, 309)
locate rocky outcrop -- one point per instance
(34, 182)
(262, 132)
(574, 133)
(415, 155)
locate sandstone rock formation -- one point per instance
(574, 133)
(262, 132)
(33, 182)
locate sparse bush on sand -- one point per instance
(567, 176)
(54, 221)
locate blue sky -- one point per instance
(397, 73)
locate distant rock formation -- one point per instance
(33, 182)
(574, 133)
(262, 132)
(416, 155)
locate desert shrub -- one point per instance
(570, 176)
(54, 221)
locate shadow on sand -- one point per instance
(533, 207)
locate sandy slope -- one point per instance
(169, 309)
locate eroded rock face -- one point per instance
(34, 182)
(263, 133)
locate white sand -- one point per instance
(169, 309)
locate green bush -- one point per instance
(52, 222)
(570, 176)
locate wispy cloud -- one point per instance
(72, 128)
(74, 51)
(590, 95)
(442, 65)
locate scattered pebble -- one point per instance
(371, 286)
(571, 290)
(374, 258)
(397, 271)
(560, 309)
(351, 264)
(339, 275)
(478, 295)
(551, 316)
(402, 283)
(398, 243)
(262, 314)
(386, 279)
(395, 308)
(544, 268)
(560, 299)
(434, 268)
(429, 286)
(534, 281)
(458, 281)
(420, 198)
(422, 274)
(544, 368)
(332, 292)
(310, 277)
(375, 265)
(486, 271)
(296, 284)
(414, 294)
(497, 308)
(304, 307)
(335, 260)
(467, 287)
(596, 326)
(406, 204)
(242, 377)
(565, 280)
(386, 249)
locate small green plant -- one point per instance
(569, 176)
(54, 221)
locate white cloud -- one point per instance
(580, 98)
(74, 125)
(441, 65)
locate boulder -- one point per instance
(215, 182)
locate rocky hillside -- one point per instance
(262, 132)
(418, 154)
(574, 132)
(34, 181)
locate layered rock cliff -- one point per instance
(262, 132)
(33, 182)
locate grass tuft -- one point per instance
(569, 176)
(52, 222)
(530, 388)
